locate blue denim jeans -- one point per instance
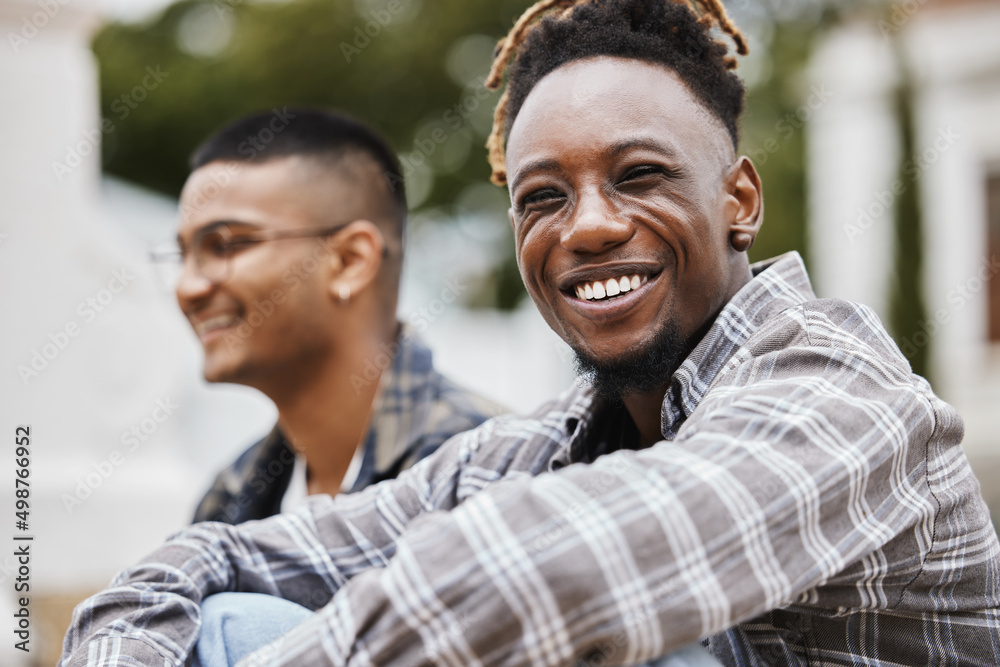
(235, 624)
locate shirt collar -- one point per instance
(777, 284)
(402, 405)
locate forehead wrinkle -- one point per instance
(574, 74)
(648, 143)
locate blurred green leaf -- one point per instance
(408, 75)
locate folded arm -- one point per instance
(150, 613)
(774, 489)
(770, 489)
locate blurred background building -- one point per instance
(904, 181)
(873, 126)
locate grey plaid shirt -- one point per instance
(810, 504)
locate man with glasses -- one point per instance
(287, 266)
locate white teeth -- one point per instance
(601, 289)
(216, 322)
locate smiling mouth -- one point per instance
(602, 290)
(215, 323)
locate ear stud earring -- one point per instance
(741, 241)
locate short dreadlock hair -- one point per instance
(673, 33)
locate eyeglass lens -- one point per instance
(210, 249)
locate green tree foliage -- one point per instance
(774, 138)
(412, 68)
(308, 52)
(779, 107)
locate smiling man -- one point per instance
(751, 466)
(291, 242)
(631, 228)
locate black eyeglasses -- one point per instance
(213, 246)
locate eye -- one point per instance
(238, 243)
(643, 171)
(216, 244)
(540, 198)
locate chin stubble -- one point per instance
(638, 371)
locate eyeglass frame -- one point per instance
(178, 255)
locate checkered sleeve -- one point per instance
(150, 614)
(807, 459)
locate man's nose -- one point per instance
(595, 225)
(192, 284)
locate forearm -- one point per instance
(153, 607)
(304, 557)
(521, 574)
(150, 612)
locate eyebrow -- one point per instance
(544, 164)
(217, 223)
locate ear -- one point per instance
(745, 204)
(357, 255)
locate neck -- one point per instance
(645, 412)
(326, 416)
(645, 408)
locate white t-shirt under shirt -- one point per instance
(297, 490)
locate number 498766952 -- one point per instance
(22, 439)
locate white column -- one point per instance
(957, 57)
(90, 342)
(853, 149)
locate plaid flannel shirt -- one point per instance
(810, 504)
(417, 410)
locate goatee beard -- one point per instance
(638, 371)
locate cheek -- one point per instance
(526, 251)
(533, 250)
(295, 329)
(703, 295)
(299, 309)
(272, 307)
